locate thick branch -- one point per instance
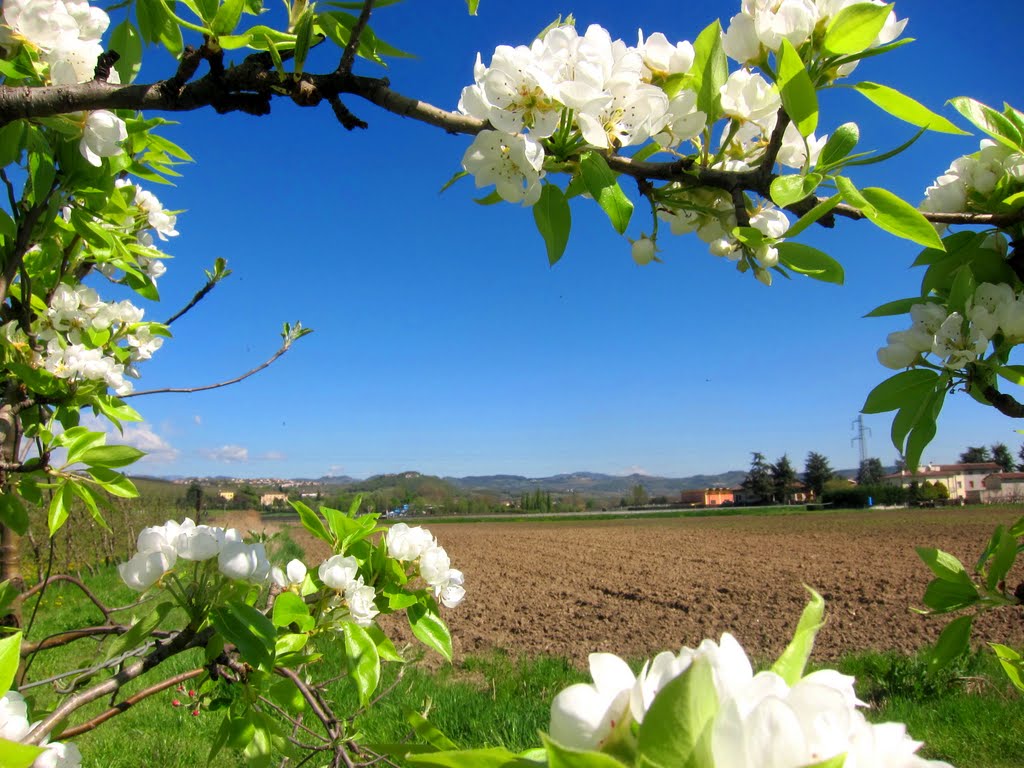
(1004, 403)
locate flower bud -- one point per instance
(644, 251)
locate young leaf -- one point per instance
(809, 261)
(841, 143)
(249, 630)
(289, 608)
(905, 108)
(710, 70)
(427, 732)
(943, 596)
(303, 37)
(114, 483)
(855, 28)
(227, 18)
(126, 41)
(111, 456)
(553, 219)
(952, 642)
(10, 657)
(900, 218)
(603, 186)
(472, 5)
(813, 215)
(1003, 557)
(790, 665)
(563, 757)
(17, 755)
(944, 565)
(899, 390)
(797, 91)
(900, 306)
(1012, 664)
(311, 522)
(363, 661)
(786, 190)
(13, 514)
(996, 125)
(430, 629)
(676, 730)
(60, 506)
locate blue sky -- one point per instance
(443, 341)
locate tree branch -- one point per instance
(131, 701)
(1004, 403)
(348, 57)
(187, 390)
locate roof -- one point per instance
(1007, 475)
(942, 470)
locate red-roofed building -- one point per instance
(1003, 487)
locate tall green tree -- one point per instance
(1001, 455)
(758, 482)
(638, 495)
(870, 472)
(783, 480)
(817, 472)
(975, 454)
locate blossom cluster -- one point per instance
(762, 25)
(341, 573)
(15, 726)
(68, 327)
(160, 547)
(969, 182)
(66, 34)
(955, 338)
(760, 720)
(416, 544)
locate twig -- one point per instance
(71, 580)
(200, 295)
(348, 57)
(131, 701)
(186, 390)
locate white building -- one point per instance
(963, 481)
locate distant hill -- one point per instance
(595, 484)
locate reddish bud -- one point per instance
(191, 694)
(195, 713)
(175, 703)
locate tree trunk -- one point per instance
(10, 542)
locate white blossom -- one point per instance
(146, 568)
(583, 715)
(748, 96)
(513, 163)
(245, 562)
(405, 543)
(102, 135)
(338, 572)
(293, 575)
(359, 598)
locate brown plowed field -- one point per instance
(636, 587)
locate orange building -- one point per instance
(707, 497)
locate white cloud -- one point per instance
(198, 420)
(227, 454)
(272, 456)
(336, 470)
(635, 470)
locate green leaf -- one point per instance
(710, 70)
(92, 499)
(900, 306)
(289, 608)
(944, 565)
(126, 41)
(13, 514)
(898, 217)
(924, 429)
(943, 596)
(855, 28)
(1014, 373)
(842, 141)
(472, 5)
(303, 37)
(553, 219)
(249, 630)
(456, 177)
(364, 663)
(1011, 663)
(904, 108)
(786, 190)
(563, 757)
(603, 186)
(15, 755)
(142, 629)
(10, 658)
(426, 732)
(791, 664)
(899, 390)
(996, 125)
(114, 483)
(311, 522)
(798, 95)
(385, 648)
(1002, 559)
(813, 215)
(811, 262)
(227, 18)
(60, 507)
(952, 642)
(490, 757)
(676, 730)
(430, 629)
(962, 290)
(111, 456)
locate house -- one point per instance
(227, 495)
(1003, 487)
(269, 499)
(963, 481)
(707, 497)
